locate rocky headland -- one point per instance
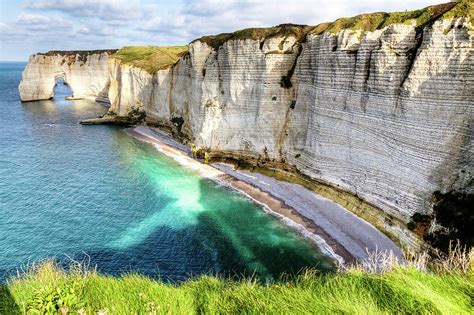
(374, 112)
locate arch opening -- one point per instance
(61, 89)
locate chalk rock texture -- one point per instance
(389, 118)
(86, 73)
(385, 115)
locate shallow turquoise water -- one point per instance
(68, 190)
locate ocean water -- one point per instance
(69, 191)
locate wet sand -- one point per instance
(337, 232)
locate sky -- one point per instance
(31, 26)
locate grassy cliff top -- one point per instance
(462, 9)
(151, 58)
(379, 20)
(365, 22)
(295, 30)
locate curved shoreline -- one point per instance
(338, 233)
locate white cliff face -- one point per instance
(242, 106)
(388, 129)
(86, 73)
(130, 88)
(385, 115)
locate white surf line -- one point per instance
(212, 173)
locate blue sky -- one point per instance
(31, 26)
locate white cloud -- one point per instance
(103, 9)
(83, 29)
(6, 29)
(9, 34)
(233, 14)
(89, 24)
(40, 22)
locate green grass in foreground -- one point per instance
(400, 290)
(151, 58)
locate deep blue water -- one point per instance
(73, 191)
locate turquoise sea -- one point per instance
(69, 191)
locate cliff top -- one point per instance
(365, 22)
(78, 52)
(151, 58)
(296, 30)
(379, 20)
(154, 58)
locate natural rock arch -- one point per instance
(60, 77)
(86, 73)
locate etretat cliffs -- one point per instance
(373, 112)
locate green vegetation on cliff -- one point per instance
(154, 58)
(410, 289)
(151, 58)
(379, 20)
(364, 22)
(465, 8)
(81, 53)
(283, 30)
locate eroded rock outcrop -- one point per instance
(86, 73)
(379, 120)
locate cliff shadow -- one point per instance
(448, 110)
(8, 304)
(102, 95)
(269, 248)
(230, 238)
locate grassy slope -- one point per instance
(402, 290)
(151, 58)
(462, 9)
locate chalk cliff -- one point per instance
(378, 118)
